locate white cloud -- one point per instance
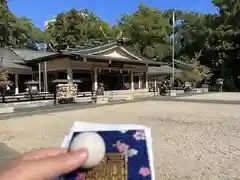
(54, 19)
(49, 21)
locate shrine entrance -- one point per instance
(111, 80)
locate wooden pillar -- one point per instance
(120, 79)
(139, 82)
(146, 80)
(45, 77)
(69, 73)
(123, 81)
(132, 82)
(39, 77)
(155, 82)
(95, 76)
(16, 84)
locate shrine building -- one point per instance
(112, 64)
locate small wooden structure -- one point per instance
(66, 90)
(32, 87)
(157, 75)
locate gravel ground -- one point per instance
(191, 140)
(220, 96)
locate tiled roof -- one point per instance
(97, 57)
(28, 55)
(97, 49)
(18, 68)
(13, 62)
(163, 70)
(10, 56)
(31, 55)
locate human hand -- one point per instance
(45, 164)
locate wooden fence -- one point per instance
(33, 97)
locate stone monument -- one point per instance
(100, 90)
(99, 97)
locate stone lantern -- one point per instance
(32, 87)
(219, 84)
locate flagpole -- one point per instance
(39, 77)
(173, 47)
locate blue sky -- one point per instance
(109, 10)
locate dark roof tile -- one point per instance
(95, 49)
(13, 62)
(132, 52)
(29, 55)
(163, 70)
(9, 56)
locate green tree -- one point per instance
(4, 78)
(7, 26)
(17, 32)
(79, 29)
(223, 42)
(148, 32)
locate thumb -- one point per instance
(51, 167)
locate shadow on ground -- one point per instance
(6, 155)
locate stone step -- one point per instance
(6, 110)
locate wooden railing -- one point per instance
(24, 97)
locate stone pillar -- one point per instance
(139, 82)
(95, 84)
(132, 82)
(16, 84)
(146, 80)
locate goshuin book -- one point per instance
(129, 154)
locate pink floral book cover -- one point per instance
(128, 153)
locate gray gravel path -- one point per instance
(191, 140)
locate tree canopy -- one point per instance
(210, 43)
(79, 29)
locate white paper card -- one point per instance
(86, 126)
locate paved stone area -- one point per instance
(192, 141)
(213, 96)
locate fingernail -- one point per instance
(83, 153)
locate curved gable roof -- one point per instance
(28, 55)
(114, 46)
